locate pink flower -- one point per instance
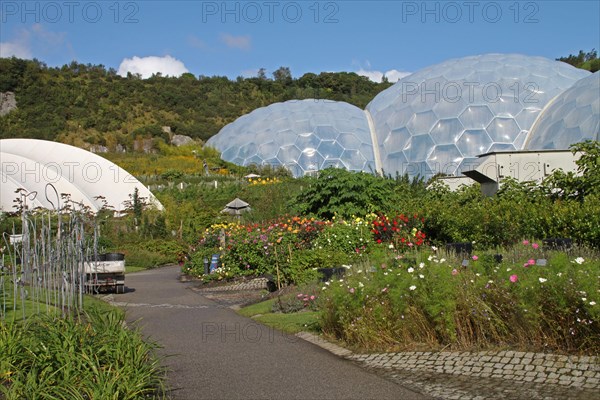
(535, 246)
(513, 278)
(385, 289)
(526, 265)
(312, 297)
(351, 290)
(300, 295)
(531, 261)
(525, 242)
(454, 271)
(475, 258)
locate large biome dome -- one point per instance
(439, 119)
(572, 117)
(302, 135)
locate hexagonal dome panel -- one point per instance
(302, 135)
(572, 117)
(466, 105)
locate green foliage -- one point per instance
(588, 61)
(587, 182)
(53, 357)
(80, 103)
(345, 193)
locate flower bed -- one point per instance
(532, 300)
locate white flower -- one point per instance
(359, 271)
(413, 287)
(391, 246)
(411, 270)
(421, 276)
(508, 269)
(429, 258)
(327, 283)
(584, 299)
(324, 287)
(360, 284)
(579, 260)
(442, 260)
(433, 248)
(421, 265)
(559, 274)
(477, 274)
(592, 303)
(542, 280)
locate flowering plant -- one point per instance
(401, 230)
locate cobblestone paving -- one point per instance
(446, 386)
(489, 375)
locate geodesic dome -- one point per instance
(572, 117)
(302, 135)
(439, 118)
(89, 179)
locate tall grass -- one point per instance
(95, 357)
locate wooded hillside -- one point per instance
(81, 104)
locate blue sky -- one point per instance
(237, 38)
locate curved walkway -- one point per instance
(214, 353)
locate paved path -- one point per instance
(216, 354)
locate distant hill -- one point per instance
(91, 105)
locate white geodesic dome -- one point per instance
(439, 119)
(302, 135)
(572, 117)
(89, 179)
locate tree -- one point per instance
(262, 74)
(587, 182)
(345, 193)
(588, 61)
(283, 75)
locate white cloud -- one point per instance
(375, 76)
(392, 75)
(236, 42)
(147, 66)
(36, 40)
(16, 49)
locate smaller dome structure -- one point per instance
(304, 136)
(571, 117)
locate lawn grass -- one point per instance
(134, 268)
(264, 307)
(292, 322)
(285, 322)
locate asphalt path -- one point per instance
(213, 353)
